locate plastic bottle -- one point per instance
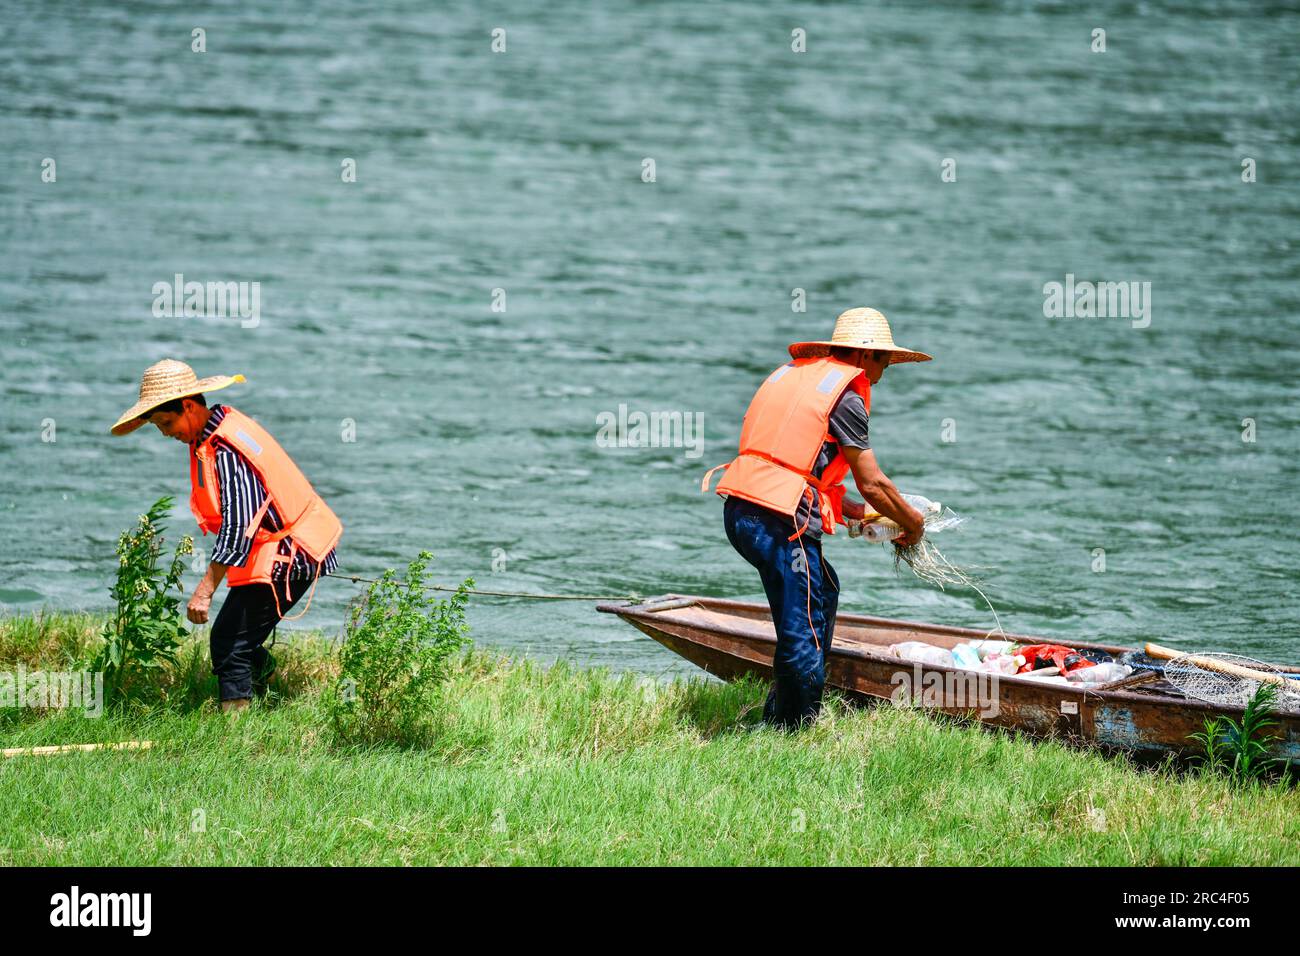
(878, 533)
(1102, 673)
(923, 505)
(883, 529)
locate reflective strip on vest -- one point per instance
(833, 378)
(247, 440)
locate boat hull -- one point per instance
(735, 639)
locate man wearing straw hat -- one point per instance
(804, 432)
(275, 536)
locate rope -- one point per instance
(515, 594)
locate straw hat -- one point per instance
(859, 329)
(167, 380)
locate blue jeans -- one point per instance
(803, 592)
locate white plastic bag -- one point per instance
(1102, 673)
(922, 653)
(987, 647)
(1002, 664)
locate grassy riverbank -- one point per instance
(569, 766)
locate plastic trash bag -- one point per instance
(1002, 664)
(922, 653)
(1100, 673)
(993, 657)
(987, 647)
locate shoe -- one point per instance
(261, 680)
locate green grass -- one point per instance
(572, 766)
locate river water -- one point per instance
(1168, 441)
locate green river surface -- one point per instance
(775, 171)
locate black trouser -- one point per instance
(247, 619)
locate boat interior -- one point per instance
(874, 635)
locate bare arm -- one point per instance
(882, 495)
(197, 611)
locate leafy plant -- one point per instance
(1212, 742)
(397, 651)
(1240, 749)
(147, 627)
(1249, 754)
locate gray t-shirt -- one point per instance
(848, 426)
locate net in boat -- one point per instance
(1203, 682)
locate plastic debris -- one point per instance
(922, 653)
(1038, 656)
(1099, 673)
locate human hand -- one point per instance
(197, 611)
(913, 531)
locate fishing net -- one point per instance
(924, 558)
(1197, 676)
(928, 563)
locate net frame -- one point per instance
(1231, 690)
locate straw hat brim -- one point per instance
(130, 419)
(822, 349)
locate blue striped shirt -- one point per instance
(242, 494)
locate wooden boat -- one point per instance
(1142, 714)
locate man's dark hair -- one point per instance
(175, 406)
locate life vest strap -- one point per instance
(255, 524)
(287, 559)
(818, 483)
(807, 584)
(261, 535)
(823, 485)
(807, 493)
(310, 594)
(708, 476)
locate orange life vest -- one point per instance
(304, 514)
(784, 430)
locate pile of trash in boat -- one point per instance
(1049, 663)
